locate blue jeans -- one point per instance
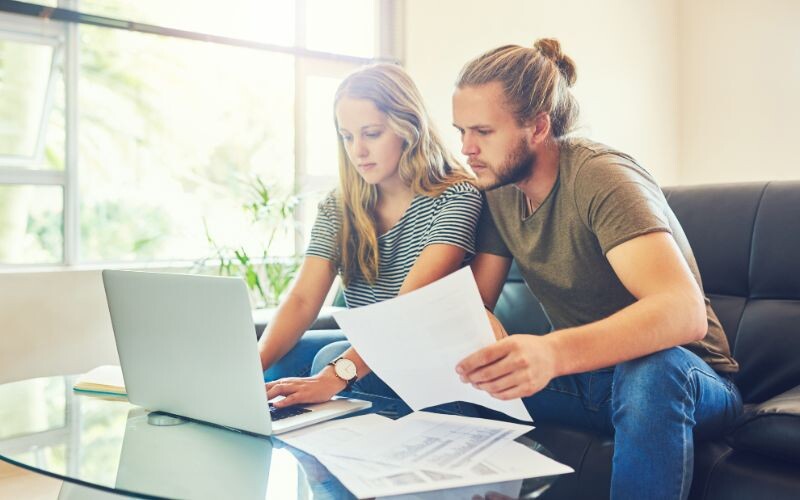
(298, 361)
(655, 407)
(317, 348)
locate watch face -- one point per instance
(345, 369)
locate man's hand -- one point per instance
(513, 367)
(497, 328)
(317, 389)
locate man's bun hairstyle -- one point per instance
(551, 49)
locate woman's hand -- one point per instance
(308, 390)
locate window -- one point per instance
(169, 132)
(32, 142)
(137, 144)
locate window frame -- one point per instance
(21, 169)
(54, 40)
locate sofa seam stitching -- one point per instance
(753, 238)
(749, 268)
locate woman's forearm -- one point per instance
(291, 320)
(362, 370)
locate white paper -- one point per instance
(337, 436)
(438, 442)
(512, 462)
(348, 448)
(510, 489)
(420, 440)
(414, 341)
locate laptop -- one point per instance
(187, 347)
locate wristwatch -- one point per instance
(345, 370)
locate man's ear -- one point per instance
(539, 129)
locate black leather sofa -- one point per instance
(746, 238)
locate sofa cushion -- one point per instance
(518, 309)
(746, 239)
(718, 221)
(771, 428)
(745, 476)
(775, 266)
(729, 310)
(768, 349)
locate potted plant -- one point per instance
(267, 277)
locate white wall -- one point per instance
(697, 90)
(740, 90)
(53, 323)
(624, 51)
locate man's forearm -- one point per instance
(649, 325)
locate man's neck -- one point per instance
(538, 185)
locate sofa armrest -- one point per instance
(325, 321)
(771, 428)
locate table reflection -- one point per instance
(100, 445)
(108, 444)
(191, 459)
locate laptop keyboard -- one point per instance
(289, 411)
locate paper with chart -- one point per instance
(419, 440)
(414, 341)
(502, 472)
(349, 447)
(440, 442)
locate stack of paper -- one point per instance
(375, 456)
(105, 380)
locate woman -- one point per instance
(404, 215)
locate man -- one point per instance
(636, 349)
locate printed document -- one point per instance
(514, 461)
(507, 489)
(414, 341)
(356, 450)
(422, 439)
(440, 442)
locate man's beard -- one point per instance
(517, 166)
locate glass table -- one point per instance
(109, 444)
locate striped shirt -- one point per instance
(450, 218)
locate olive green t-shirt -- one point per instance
(601, 198)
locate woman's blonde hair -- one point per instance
(534, 79)
(425, 164)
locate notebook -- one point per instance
(105, 380)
